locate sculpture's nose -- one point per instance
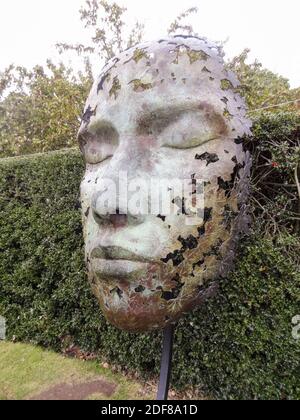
(116, 201)
(122, 195)
(106, 214)
(112, 216)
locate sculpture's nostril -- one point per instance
(99, 218)
(118, 220)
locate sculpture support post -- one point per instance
(166, 363)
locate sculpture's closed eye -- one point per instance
(191, 130)
(191, 143)
(98, 142)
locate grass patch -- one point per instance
(28, 370)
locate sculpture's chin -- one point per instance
(138, 314)
(146, 313)
(136, 322)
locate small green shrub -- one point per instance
(237, 346)
(275, 147)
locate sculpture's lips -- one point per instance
(117, 268)
(116, 253)
(113, 261)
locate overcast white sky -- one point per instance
(29, 29)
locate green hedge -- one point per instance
(238, 346)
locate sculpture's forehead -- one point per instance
(166, 73)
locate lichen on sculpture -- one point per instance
(163, 110)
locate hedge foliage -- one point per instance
(238, 346)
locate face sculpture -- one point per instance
(163, 110)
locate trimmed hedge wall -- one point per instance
(238, 346)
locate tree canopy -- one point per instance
(40, 108)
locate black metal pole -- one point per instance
(166, 363)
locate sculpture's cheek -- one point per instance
(179, 279)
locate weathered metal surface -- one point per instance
(165, 109)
